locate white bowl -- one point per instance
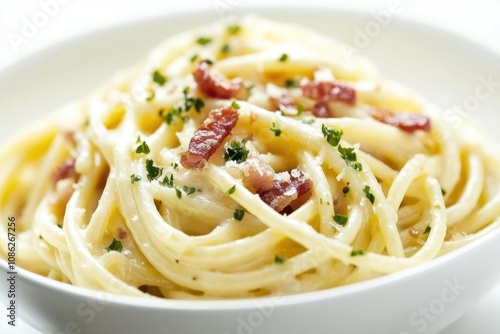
(426, 298)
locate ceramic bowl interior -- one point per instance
(444, 68)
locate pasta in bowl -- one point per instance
(246, 160)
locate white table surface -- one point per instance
(478, 20)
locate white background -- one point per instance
(478, 20)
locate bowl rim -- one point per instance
(246, 303)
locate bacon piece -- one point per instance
(328, 91)
(64, 171)
(285, 192)
(209, 137)
(321, 109)
(404, 121)
(214, 84)
(257, 175)
(121, 233)
(63, 178)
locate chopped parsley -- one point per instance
(188, 190)
(173, 114)
(300, 109)
(368, 194)
(115, 245)
(279, 260)
(238, 214)
(231, 190)
(159, 78)
(340, 219)
(153, 171)
(235, 105)
(178, 113)
(151, 96)
(345, 190)
(332, 136)
(209, 62)
(134, 178)
(138, 140)
(276, 130)
(143, 148)
(168, 181)
(225, 49)
(443, 192)
(203, 40)
(193, 58)
(235, 151)
(427, 229)
(356, 252)
(290, 83)
(283, 58)
(190, 101)
(234, 29)
(174, 165)
(350, 157)
(249, 88)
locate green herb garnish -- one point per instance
(231, 190)
(234, 29)
(290, 83)
(235, 151)
(153, 171)
(279, 260)
(159, 78)
(203, 40)
(340, 219)
(168, 181)
(190, 101)
(173, 114)
(142, 148)
(356, 252)
(332, 136)
(188, 190)
(283, 58)
(115, 245)
(276, 130)
(345, 190)
(235, 105)
(238, 214)
(368, 194)
(134, 178)
(427, 229)
(193, 58)
(300, 109)
(151, 96)
(350, 157)
(225, 49)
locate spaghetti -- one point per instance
(240, 161)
